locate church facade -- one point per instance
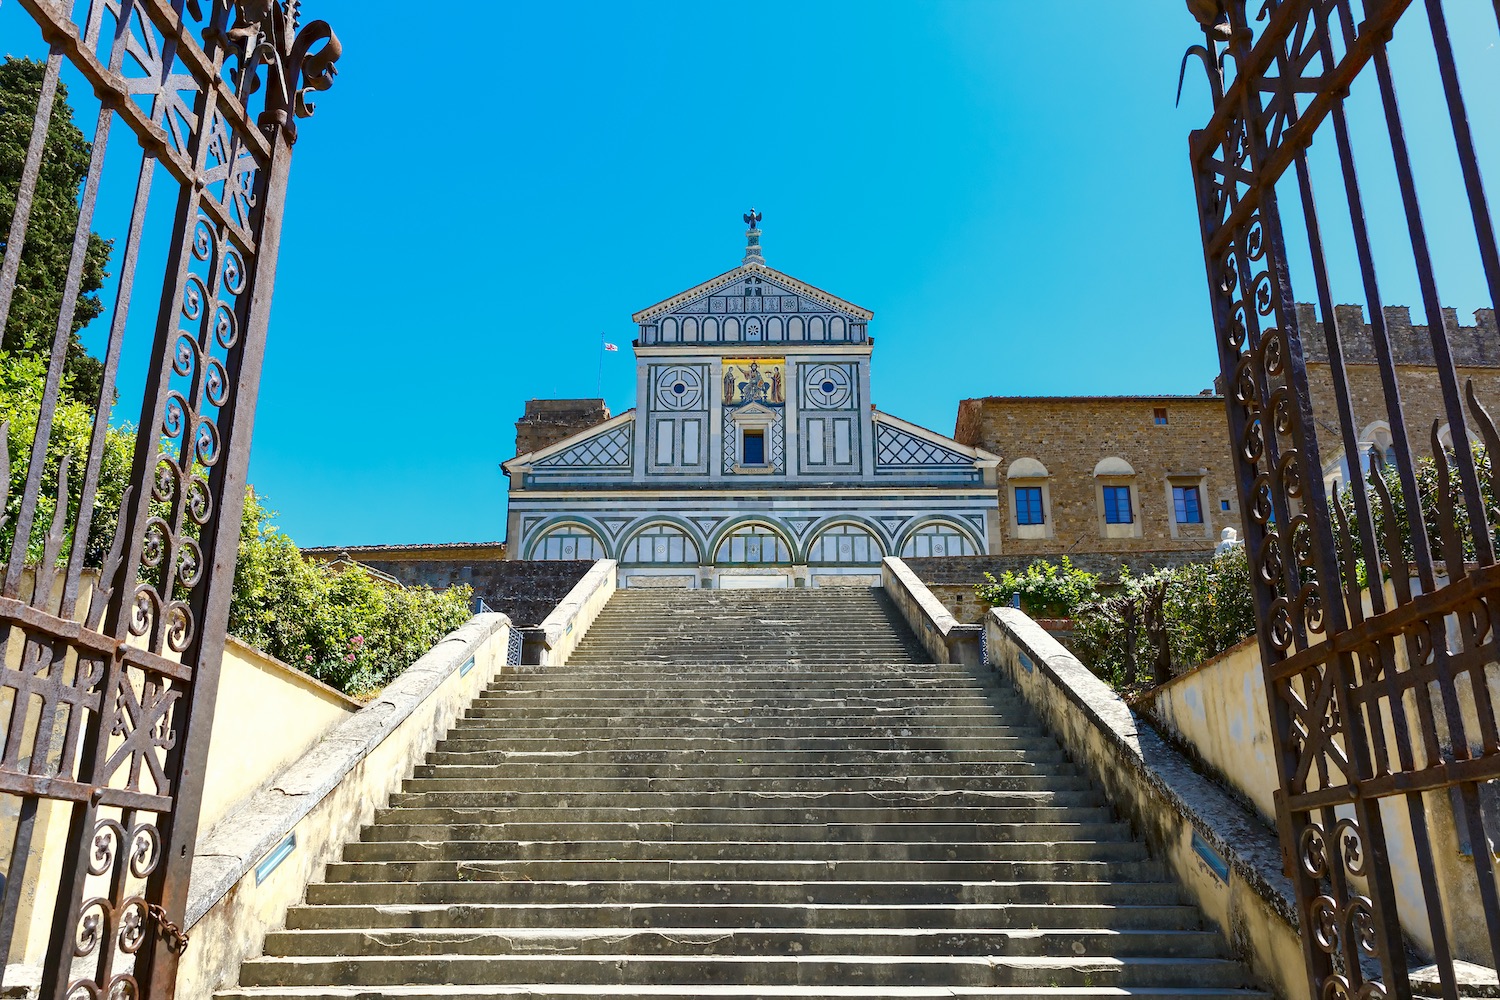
(754, 456)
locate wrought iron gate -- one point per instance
(112, 621)
(1378, 628)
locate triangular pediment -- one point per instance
(757, 284)
(604, 447)
(900, 444)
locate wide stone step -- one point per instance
(916, 774)
(857, 679)
(742, 870)
(724, 657)
(743, 679)
(739, 730)
(804, 713)
(714, 941)
(554, 991)
(795, 851)
(489, 752)
(539, 702)
(772, 800)
(811, 813)
(815, 719)
(868, 970)
(1021, 916)
(556, 785)
(724, 891)
(1031, 831)
(477, 739)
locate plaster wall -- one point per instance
(266, 715)
(322, 801)
(1217, 713)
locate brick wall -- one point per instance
(548, 421)
(1069, 436)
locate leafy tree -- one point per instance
(53, 222)
(22, 380)
(341, 625)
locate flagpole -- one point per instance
(599, 385)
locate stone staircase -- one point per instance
(746, 795)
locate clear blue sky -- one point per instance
(486, 192)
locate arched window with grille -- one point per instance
(845, 545)
(660, 545)
(939, 538)
(567, 541)
(754, 545)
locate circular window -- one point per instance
(679, 388)
(828, 386)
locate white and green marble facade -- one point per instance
(668, 490)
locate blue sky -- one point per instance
(484, 193)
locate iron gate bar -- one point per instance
(135, 671)
(1333, 677)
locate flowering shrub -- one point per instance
(339, 624)
(1046, 591)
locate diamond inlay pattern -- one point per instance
(895, 447)
(607, 451)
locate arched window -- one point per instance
(1119, 502)
(1379, 447)
(754, 545)
(567, 541)
(938, 539)
(845, 544)
(660, 544)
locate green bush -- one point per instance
(1046, 591)
(342, 625)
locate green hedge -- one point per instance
(340, 624)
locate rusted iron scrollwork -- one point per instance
(109, 648)
(1379, 644)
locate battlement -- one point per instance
(1476, 346)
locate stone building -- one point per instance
(548, 421)
(1476, 355)
(1144, 480)
(755, 456)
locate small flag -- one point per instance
(610, 347)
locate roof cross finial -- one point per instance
(752, 239)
